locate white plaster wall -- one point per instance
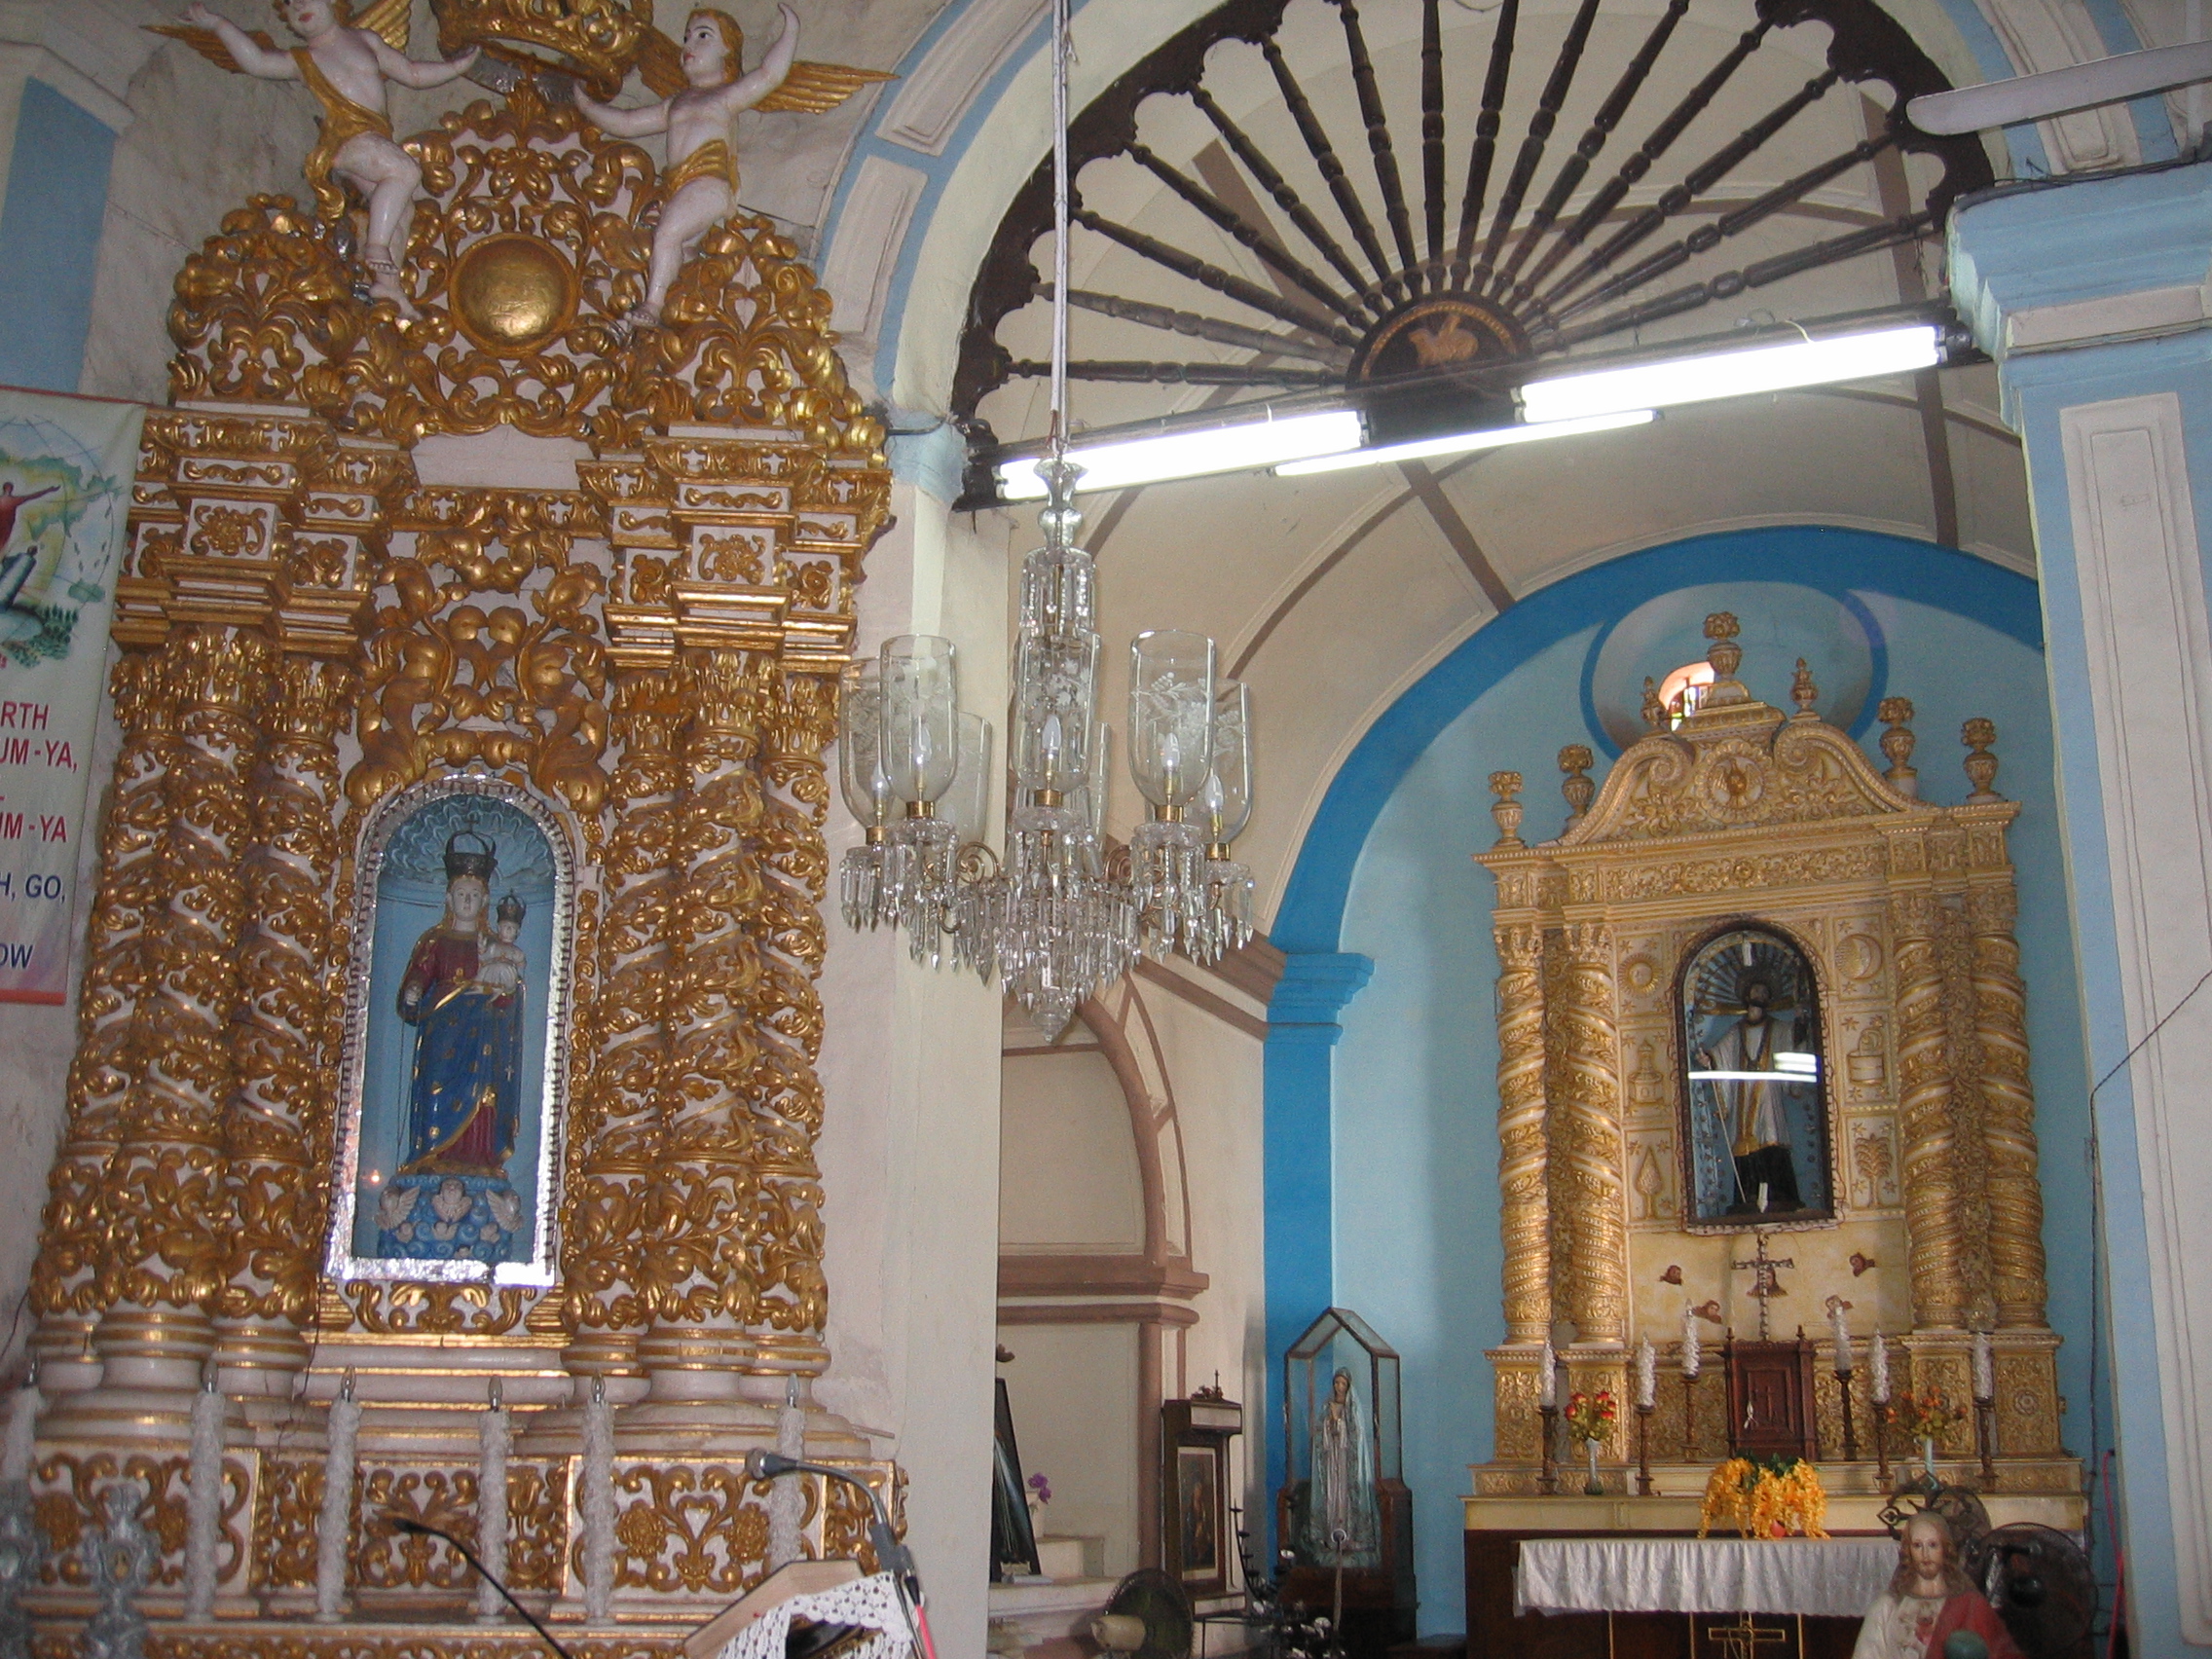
(910, 1145)
(1067, 1164)
(1073, 1389)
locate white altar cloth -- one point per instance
(1818, 1578)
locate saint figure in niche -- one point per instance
(463, 993)
(1757, 1136)
(1340, 1514)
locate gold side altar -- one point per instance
(320, 644)
(1735, 856)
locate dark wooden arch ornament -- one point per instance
(1428, 291)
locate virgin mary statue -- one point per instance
(1340, 1502)
(464, 1094)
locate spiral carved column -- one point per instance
(1924, 1109)
(276, 1134)
(1524, 1199)
(119, 964)
(697, 1254)
(168, 1208)
(786, 1096)
(2009, 1111)
(1586, 1106)
(621, 1125)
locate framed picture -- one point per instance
(1197, 1539)
(451, 1085)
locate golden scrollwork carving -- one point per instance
(264, 305)
(1924, 1112)
(65, 1502)
(437, 1309)
(1584, 1088)
(537, 1511)
(697, 1528)
(449, 680)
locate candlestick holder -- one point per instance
(1986, 1437)
(1850, 1433)
(1642, 1450)
(1547, 1478)
(1880, 1409)
(1689, 1416)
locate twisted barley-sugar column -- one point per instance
(1524, 1203)
(119, 966)
(168, 1220)
(640, 876)
(276, 1134)
(1590, 1137)
(788, 1025)
(2009, 1109)
(697, 1262)
(1924, 1109)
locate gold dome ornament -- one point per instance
(513, 294)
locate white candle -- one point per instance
(494, 1440)
(1878, 1367)
(1692, 1359)
(1547, 1382)
(1984, 1372)
(1842, 1339)
(597, 1504)
(21, 1444)
(1646, 1369)
(1763, 1198)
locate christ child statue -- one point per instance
(499, 960)
(346, 69)
(700, 184)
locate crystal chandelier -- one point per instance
(1063, 915)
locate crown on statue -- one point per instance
(598, 40)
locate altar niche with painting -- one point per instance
(454, 1064)
(1754, 1085)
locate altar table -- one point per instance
(1813, 1577)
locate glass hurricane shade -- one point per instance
(968, 801)
(860, 743)
(921, 718)
(1055, 688)
(1224, 804)
(1172, 707)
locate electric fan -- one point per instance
(2040, 1583)
(1148, 1618)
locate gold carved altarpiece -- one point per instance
(1742, 815)
(308, 626)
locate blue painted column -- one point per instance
(1299, 1165)
(2094, 299)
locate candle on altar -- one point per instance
(1984, 1372)
(1547, 1379)
(1692, 1359)
(1878, 1368)
(1646, 1372)
(1842, 1338)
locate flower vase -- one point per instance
(1593, 1486)
(1928, 1460)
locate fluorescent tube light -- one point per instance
(1458, 443)
(1245, 447)
(1732, 373)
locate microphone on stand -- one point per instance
(408, 1525)
(891, 1556)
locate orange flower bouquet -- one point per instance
(1925, 1417)
(1770, 1497)
(1587, 1419)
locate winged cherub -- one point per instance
(346, 69)
(700, 184)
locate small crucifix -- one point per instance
(1764, 1284)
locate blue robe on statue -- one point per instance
(464, 1092)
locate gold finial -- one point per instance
(1726, 657)
(1803, 693)
(1897, 745)
(1506, 786)
(1574, 760)
(1978, 734)
(1654, 711)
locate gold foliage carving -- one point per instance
(65, 1502)
(265, 302)
(697, 1530)
(437, 1309)
(446, 1497)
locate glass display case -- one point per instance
(1344, 1517)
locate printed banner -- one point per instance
(65, 470)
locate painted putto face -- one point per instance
(712, 46)
(312, 16)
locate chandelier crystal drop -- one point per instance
(1062, 915)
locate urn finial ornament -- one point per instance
(1898, 742)
(1978, 734)
(1507, 809)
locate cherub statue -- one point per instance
(346, 69)
(700, 183)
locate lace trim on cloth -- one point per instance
(872, 1602)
